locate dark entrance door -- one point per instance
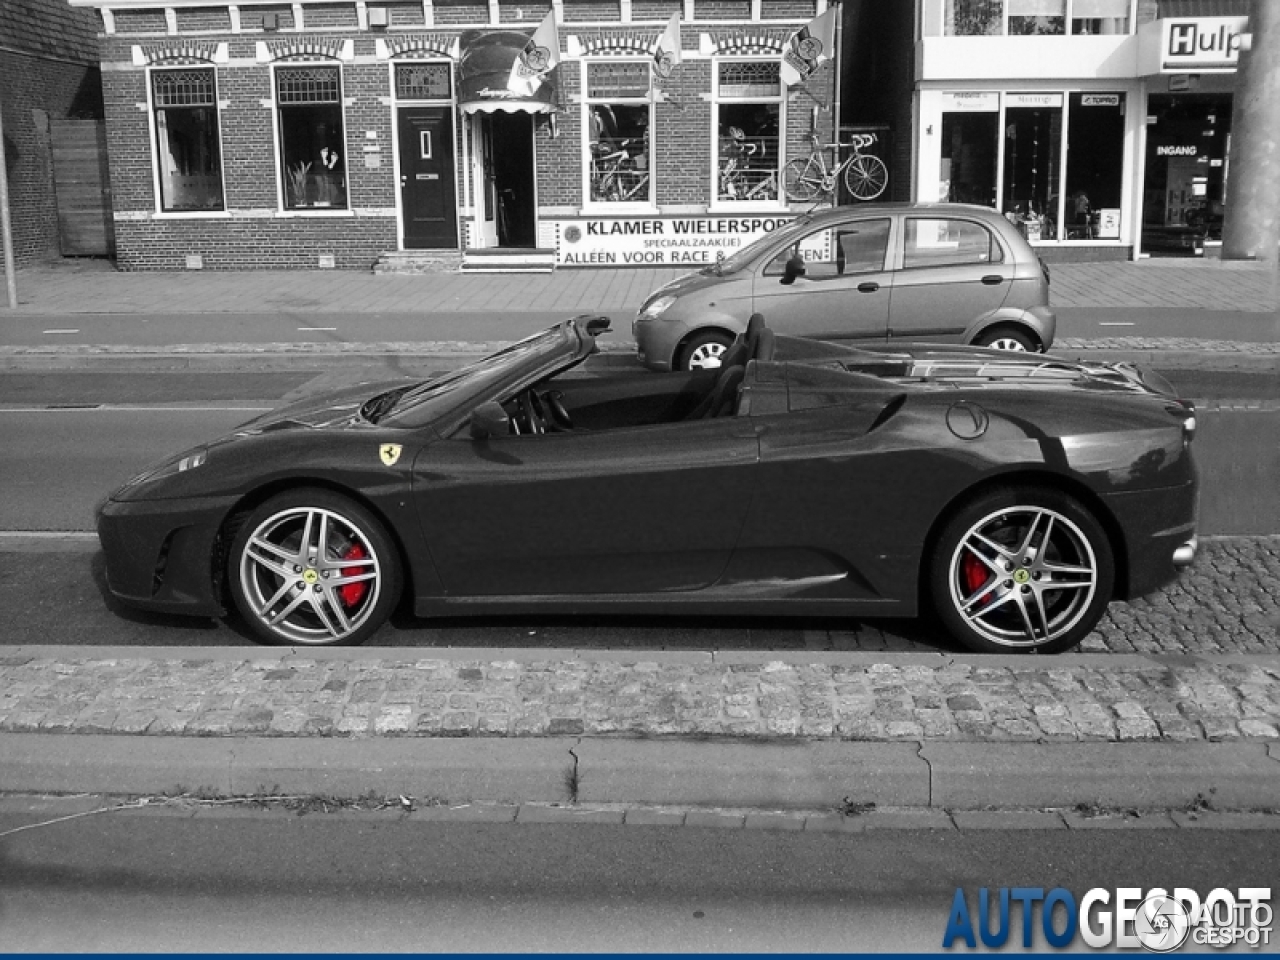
(427, 192)
(511, 164)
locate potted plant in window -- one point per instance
(297, 184)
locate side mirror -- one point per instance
(489, 420)
(794, 268)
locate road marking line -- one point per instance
(63, 331)
(138, 409)
(49, 534)
(316, 329)
(1116, 324)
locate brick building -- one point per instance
(48, 73)
(333, 133)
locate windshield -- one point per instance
(737, 261)
(432, 398)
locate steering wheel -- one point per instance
(531, 410)
(559, 415)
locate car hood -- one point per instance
(331, 409)
(686, 284)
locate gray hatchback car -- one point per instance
(872, 272)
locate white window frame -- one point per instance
(779, 202)
(649, 204)
(282, 210)
(154, 134)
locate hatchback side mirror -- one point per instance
(489, 420)
(793, 268)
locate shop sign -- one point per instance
(1177, 150)
(1099, 99)
(1033, 100)
(1201, 43)
(657, 241)
(1108, 224)
(964, 102)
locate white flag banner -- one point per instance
(666, 54)
(538, 58)
(809, 47)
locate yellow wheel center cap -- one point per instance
(310, 576)
(1021, 575)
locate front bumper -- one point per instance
(656, 340)
(164, 555)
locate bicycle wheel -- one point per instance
(866, 177)
(803, 180)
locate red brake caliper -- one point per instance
(353, 593)
(975, 575)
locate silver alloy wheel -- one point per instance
(1023, 576)
(706, 356)
(1008, 343)
(310, 575)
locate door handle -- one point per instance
(991, 279)
(868, 287)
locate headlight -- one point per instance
(657, 307)
(180, 464)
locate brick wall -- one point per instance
(255, 233)
(48, 71)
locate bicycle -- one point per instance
(865, 175)
(738, 179)
(616, 176)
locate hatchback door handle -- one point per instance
(991, 279)
(868, 287)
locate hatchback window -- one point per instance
(937, 242)
(844, 250)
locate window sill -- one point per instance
(748, 206)
(309, 212)
(192, 215)
(619, 210)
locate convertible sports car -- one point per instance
(1013, 494)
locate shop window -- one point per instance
(1032, 165)
(1099, 16)
(748, 116)
(188, 153)
(312, 144)
(974, 18)
(1095, 164)
(969, 142)
(423, 81)
(937, 242)
(619, 162)
(1037, 17)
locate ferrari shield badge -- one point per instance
(390, 453)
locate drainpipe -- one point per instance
(6, 229)
(1251, 230)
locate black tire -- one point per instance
(1007, 338)
(866, 177)
(703, 351)
(802, 180)
(999, 587)
(338, 591)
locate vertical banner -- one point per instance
(809, 47)
(538, 58)
(666, 53)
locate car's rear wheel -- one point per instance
(311, 567)
(1021, 569)
(703, 351)
(1006, 338)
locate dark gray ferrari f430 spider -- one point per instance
(1014, 495)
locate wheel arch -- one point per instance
(1031, 478)
(1000, 320)
(230, 526)
(714, 327)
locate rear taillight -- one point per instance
(1044, 268)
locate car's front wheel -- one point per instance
(311, 567)
(703, 351)
(1006, 338)
(1021, 569)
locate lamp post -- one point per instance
(6, 229)
(1251, 228)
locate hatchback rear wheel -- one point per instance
(1006, 338)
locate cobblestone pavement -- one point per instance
(1189, 687)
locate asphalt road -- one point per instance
(364, 882)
